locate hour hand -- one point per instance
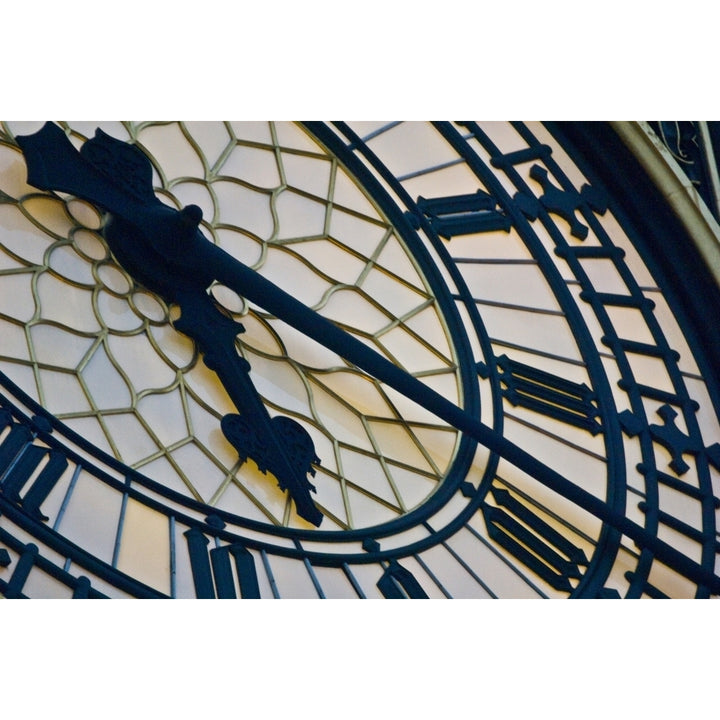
(163, 249)
(276, 444)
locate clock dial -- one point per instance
(480, 259)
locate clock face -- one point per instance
(481, 259)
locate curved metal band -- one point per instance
(687, 204)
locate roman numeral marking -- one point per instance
(532, 541)
(200, 564)
(245, 567)
(463, 214)
(397, 579)
(13, 588)
(19, 460)
(537, 151)
(27, 464)
(553, 396)
(10, 448)
(24, 463)
(216, 565)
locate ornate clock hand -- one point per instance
(278, 444)
(159, 247)
(217, 265)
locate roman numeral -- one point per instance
(213, 571)
(12, 589)
(18, 437)
(463, 214)
(245, 567)
(19, 460)
(398, 582)
(553, 396)
(532, 541)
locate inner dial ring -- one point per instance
(101, 353)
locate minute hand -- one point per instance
(279, 303)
